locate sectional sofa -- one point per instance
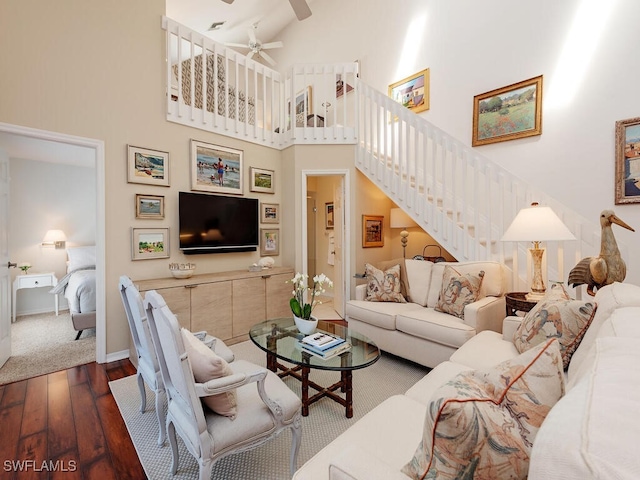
(592, 431)
(415, 330)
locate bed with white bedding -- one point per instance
(79, 287)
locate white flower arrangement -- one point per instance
(299, 307)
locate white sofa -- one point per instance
(416, 331)
(593, 431)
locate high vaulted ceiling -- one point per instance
(271, 17)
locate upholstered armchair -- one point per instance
(148, 368)
(254, 404)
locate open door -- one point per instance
(338, 222)
(5, 277)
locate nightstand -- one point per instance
(33, 280)
(517, 302)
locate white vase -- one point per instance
(306, 326)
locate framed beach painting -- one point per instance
(628, 161)
(216, 169)
(372, 233)
(262, 180)
(149, 243)
(269, 213)
(508, 113)
(412, 92)
(149, 206)
(147, 166)
(269, 241)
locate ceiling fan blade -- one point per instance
(300, 8)
(268, 58)
(252, 35)
(251, 54)
(238, 45)
(228, 1)
(277, 44)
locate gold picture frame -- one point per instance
(508, 113)
(372, 231)
(412, 92)
(149, 206)
(262, 180)
(627, 161)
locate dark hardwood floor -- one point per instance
(66, 425)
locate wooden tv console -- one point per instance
(225, 304)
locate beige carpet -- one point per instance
(44, 343)
(388, 376)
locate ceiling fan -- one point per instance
(256, 47)
(300, 8)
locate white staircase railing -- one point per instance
(462, 199)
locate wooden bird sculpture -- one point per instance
(606, 268)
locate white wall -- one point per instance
(46, 196)
(583, 48)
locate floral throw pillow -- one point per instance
(383, 286)
(556, 316)
(482, 424)
(458, 291)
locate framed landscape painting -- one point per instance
(215, 168)
(148, 243)
(262, 180)
(412, 92)
(508, 113)
(149, 206)
(628, 161)
(147, 166)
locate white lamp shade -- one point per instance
(537, 224)
(399, 219)
(53, 236)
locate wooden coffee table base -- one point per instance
(301, 372)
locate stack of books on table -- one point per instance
(324, 345)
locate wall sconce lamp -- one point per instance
(54, 238)
(399, 219)
(536, 224)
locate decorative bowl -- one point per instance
(182, 270)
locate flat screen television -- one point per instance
(217, 224)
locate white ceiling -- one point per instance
(270, 15)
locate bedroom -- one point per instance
(47, 193)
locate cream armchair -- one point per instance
(148, 369)
(265, 405)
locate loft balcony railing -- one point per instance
(462, 199)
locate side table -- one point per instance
(517, 302)
(33, 280)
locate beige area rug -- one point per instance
(44, 343)
(388, 376)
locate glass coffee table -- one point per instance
(279, 339)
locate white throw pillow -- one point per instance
(80, 257)
(419, 278)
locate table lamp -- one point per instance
(399, 219)
(537, 224)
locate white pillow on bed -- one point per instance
(80, 257)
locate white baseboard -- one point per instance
(115, 356)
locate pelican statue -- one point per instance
(606, 268)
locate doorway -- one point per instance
(324, 221)
(28, 143)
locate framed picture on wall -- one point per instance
(262, 180)
(328, 215)
(148, 243)
(216, 169)
(412, 92)
(147, 166)
(628, 161)
(269, 241)
(269, 213)
(372, 231)
(508, 113)
(149, 206)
